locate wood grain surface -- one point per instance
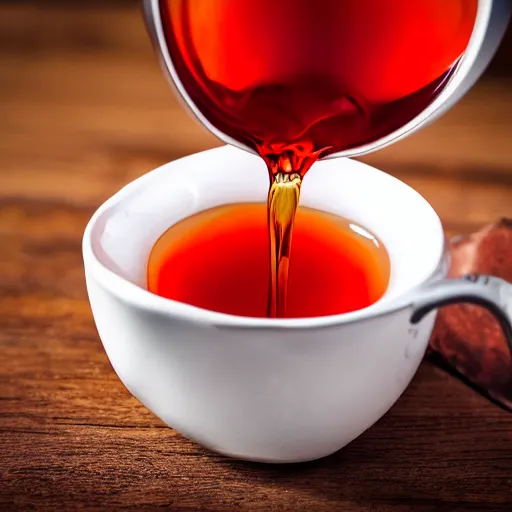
(84, 109)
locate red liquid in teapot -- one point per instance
(315, 75)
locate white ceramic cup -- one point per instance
(273, 390)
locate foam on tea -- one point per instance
(218, 260)
(297, 80)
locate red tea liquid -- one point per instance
(218, 260)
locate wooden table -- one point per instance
(84, 109)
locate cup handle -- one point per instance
(492, 293)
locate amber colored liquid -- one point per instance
(296, 80)
(218, 260)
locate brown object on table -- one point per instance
(468, 338)
(84, 109)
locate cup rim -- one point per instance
(142, 298)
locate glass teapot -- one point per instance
(323, 78)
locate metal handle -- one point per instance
(492, 293)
